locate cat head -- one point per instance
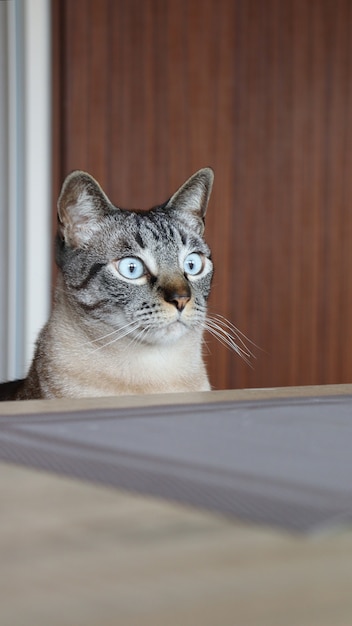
(147, 271)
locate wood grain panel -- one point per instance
(151, 90)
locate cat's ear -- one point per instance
(193, 196)
(81, 206)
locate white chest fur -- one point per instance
(125, 367)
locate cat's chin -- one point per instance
(170, 334)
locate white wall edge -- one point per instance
(37, 169)
(15, 190)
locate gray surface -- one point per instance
(286, 462)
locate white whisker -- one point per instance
(235, 330)
(227, 334)
(206, 344)
(226, 339)
(138, 337)
(113, 332)
(243, 349)
(130, 329)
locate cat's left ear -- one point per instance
(193, 196)
(81, 206)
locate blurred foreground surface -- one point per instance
(73, 553)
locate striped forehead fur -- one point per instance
(159, 226)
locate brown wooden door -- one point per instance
(148, 91)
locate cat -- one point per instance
(130, 300)
(130, 304)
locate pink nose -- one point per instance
(176, 292)
(179, 301)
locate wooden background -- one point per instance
(148, 91)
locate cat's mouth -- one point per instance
(164, 328)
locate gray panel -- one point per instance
(284, 462)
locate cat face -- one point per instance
(144, 274)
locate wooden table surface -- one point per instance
(74, 554)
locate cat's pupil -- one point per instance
(132, 268)
(190, 265)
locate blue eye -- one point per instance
(193, 264)
(130, 267)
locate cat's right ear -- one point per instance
(193, 196)
(81, 206)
